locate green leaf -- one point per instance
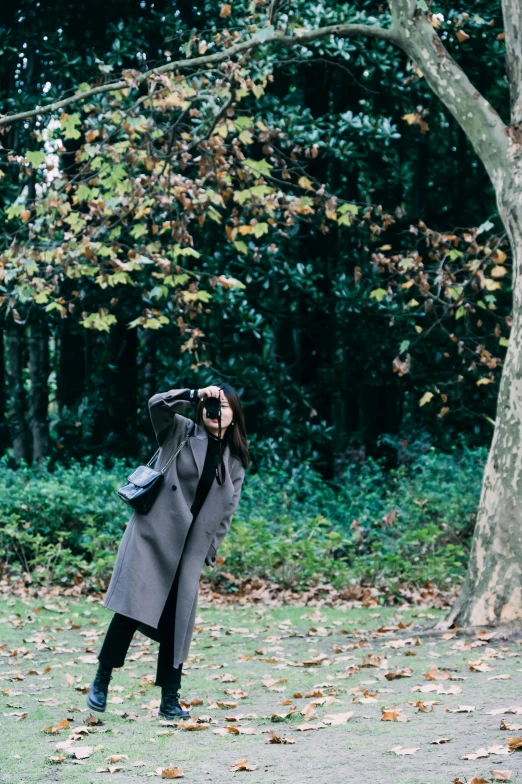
(353, 208)
(241, 246)
(204, 296)
(455, 254)
(36, 157)
(258, 167)
(404, 346)
(460, 312)
(69, 123)
(378, 294)
(259, 229)
(503, 342)
(14, 211)
(138, 231)
(455, 292)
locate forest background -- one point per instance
(369, 418)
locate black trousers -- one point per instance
(121, 631)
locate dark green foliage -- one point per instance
(291, 526)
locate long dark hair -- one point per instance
(235, 435)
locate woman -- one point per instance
(155, 581)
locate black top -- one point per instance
(208, 474)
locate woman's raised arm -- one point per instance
(164, 409)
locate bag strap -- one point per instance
(178, 450)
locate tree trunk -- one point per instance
(17, 423)
(4, 433)
(492, 591)
(39, 374)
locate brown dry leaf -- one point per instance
(393, 714)
(242, 765)
(309, 711)
(116, 757)
(502, 775)
(192, 724)
(514, 743)
(337, 718)
(434, 674)
(476, 779)
(82, 752)
(461, 709)
(110, 769)
(308, 726)
(274, 738)
(282, 716)
(404, 672)
(402, 752)
(62, 725)
(504, 725)
(461, 36)
(440, 740)
(225, 11)
(479, 666)
(171, 772)
(69, 680)
(473, 755)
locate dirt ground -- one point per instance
(291, 672)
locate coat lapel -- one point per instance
(198, 444)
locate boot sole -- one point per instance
(173, 716)
(94, 707)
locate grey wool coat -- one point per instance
(154, 544)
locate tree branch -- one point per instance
(262, 37)
(478, 119)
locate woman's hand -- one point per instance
(211, 391)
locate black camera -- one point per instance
(212, 406)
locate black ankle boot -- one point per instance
(170, 707)
(97, 695)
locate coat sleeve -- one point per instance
(224, 525)
(164, 408)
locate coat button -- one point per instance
(174, 487)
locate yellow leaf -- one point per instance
(498, 256)
(461, 36)
(427, 396)
(498, 271)
(491, 285)
(410, 118)
(226, 9)
(304, 182)
(484, 380)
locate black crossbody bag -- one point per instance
(144, 484)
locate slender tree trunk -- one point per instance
(70, 363)
(4, 434)
(492, 591)
(17, 424)
(39, 375)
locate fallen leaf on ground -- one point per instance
(440, 740)
(512, 727)
(434, 674)
(242, 765)
(61, 725)
(401, 752)
(514, 743)
(502, 775)
(274, 738)
(337, 718)
(393, 714)
(461, 709)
